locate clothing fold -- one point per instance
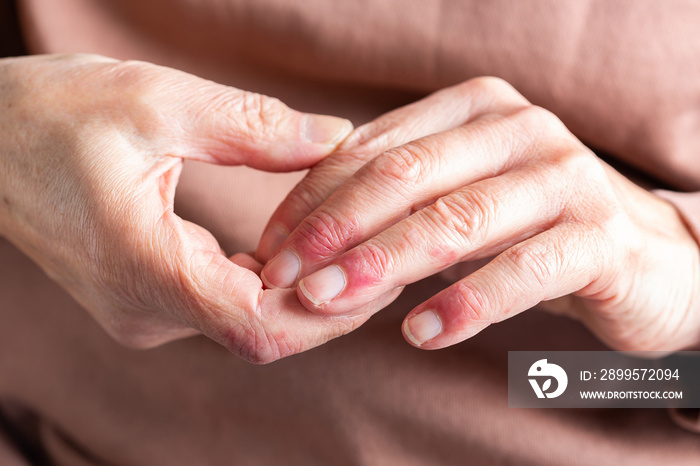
(622, 75)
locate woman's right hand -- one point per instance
(90, 153)
(509, 180)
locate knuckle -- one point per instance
(85, 57)
(405, 166)
(541, 122)
(135, 88)
(262, 115)
(468, 305)
(261, 343)
(133, 80)
(134, 70)
(489, 85)
(130, 73)
(579, 173)
(376, 261)
(534, 262)
(579, 164)
(541, 116)
(257, 349)
(467, 215)
(323, 235)
(252, 342)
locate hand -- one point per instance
(90, 155)
(471, 172)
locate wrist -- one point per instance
(687, 207)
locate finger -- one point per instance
(471, 223)
(278, 326)
(234, 127)
(283, 327)
(223, 299)
(206, 121)
(547, 266)
(436, 113)
(247, 261)
(397, 183)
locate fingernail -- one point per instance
(422, 327)
(270, 241)
(282, 271)
(324, 285)
(323, 129)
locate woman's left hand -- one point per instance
(486, 173)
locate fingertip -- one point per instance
(317, 291)
(439, 323)
(308, 303)
(266, 283)
(302, 142)
(282, 271)
(246, 261)
(422, 327)
(325, 130)
(322, 287)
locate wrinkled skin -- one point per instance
(91, 151)
(476, 171)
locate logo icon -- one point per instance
(542, 369)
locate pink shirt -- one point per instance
(623, 76)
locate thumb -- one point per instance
(221, 124)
